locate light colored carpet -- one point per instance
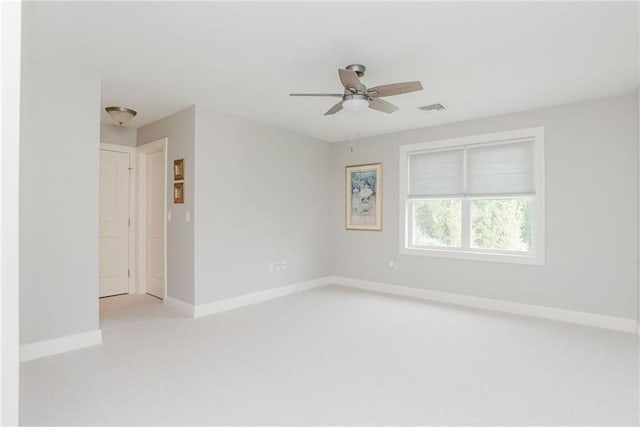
(335, 356)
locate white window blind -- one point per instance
(482, 169)
(436, 173)
(500, 169)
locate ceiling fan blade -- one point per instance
(334, 109)
(395, 89)
(382, 105)
(316, 94)
(350, 80)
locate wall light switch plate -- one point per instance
(169, 216)
(187, 216)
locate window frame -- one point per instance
(534, 256)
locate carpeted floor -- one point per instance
(335, 355)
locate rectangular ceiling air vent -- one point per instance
(431, 107)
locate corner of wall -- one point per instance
(179, 129)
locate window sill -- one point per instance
(475, 256)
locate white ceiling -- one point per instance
(478, 59)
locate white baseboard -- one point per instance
(244, 300)
(181, 307)
(577, 317)
(39, 349)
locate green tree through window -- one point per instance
(438, 223)
(503, 224)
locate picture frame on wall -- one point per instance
(363, 197)
(178, 170)
(178, 193)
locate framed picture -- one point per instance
(178, 170)
(363, 192)
(178, 192)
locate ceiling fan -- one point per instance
(357, 97)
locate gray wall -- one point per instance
(118, 135)
(591, 152)
(58, 205)
(261, 196)
(179, 128)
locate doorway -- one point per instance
(132, 219)
(152, 208)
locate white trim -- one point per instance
(10, 40)
(638, 205)
(39, 349)
(244, 300)
(132, 283)
(166, 189)
(549, 313)
(536, 256)
(161, 144)
(513, 258)
(485, 138)
(180, 306)
(117, 148)
(254, 298)
(141, 171)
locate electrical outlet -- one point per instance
(278, 266)
(284, 265)
(270, 267)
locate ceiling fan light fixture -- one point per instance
(121, 115)
(355, 103)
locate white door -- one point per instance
(155, 224)
(114, 223)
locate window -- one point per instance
(479, 197)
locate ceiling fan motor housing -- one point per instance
(358, 68)
(354, 96)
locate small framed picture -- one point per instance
(178, 192)
(178, 170)
(363, 194)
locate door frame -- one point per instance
(141, 202)
(131, 151)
